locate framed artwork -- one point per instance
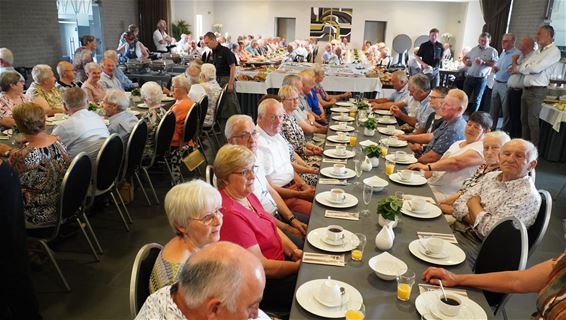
(330, 23)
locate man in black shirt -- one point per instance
(429, 56)
(223, 59)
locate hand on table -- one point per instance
(395, 110)
(301, 227)
(432, 274)
(401, 137)
(416, 147)
(417, 166)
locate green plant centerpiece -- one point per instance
(389, 208)
(362, 105)
(136, 92)
(372, 151)
(370, 124)
(92, 106)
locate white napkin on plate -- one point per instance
(367, 143)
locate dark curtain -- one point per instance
(152, 11)
(496, 16)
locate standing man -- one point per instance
(499, 91)
(160, 37)
(515, 87)
(536, 70)
(429, 57)
(479, 62)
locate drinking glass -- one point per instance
(358, 169)
(389, 167)
(399, 195)
(405, 284)
(355, 310)
(384, 149)
(358, 251)
(367, 194)
(353, 140)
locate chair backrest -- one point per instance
(220, 104)
(190, 127)
(504, 249)
(108, 163)
(141, 271)
(134, 149)
(164, 134)
(203, 108)
(538, 229)
(210, 177)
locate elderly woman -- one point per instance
(325, 99)
(213, 91)
(94, 90)
(492, 143)
(194, 211)
(83, 56)
(460, 161)
(121, 122)
(247, 223)
(12, 87)
(151, 94)
(44, 90)
(41, 163)
(132, 48)
(180, 86)
(193, 75)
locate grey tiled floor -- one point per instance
(100, 290)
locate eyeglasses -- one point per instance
(294, 99)
(211, 218)
(246, 172)
(276, 116)
(246, 135)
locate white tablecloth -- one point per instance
(553, 116)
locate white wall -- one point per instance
(473, 25)
(188, 9)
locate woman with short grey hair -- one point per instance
(11, 96)
(152, 95)
(94, 90)
(213, 91)
(43, 88)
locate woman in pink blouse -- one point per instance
(94, 90)
(12, 95)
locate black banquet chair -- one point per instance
(504, 249)
(216, 128)
(134, 154)
(538, 229)
(141, 271)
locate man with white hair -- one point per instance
(213, 91)
(126, 83)
(115, 104)
(160, 37)
(193, 75)
(7, 62)
(221, 281)
(107, 78)
(274, 153)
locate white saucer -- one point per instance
(329, 172)
(142, 106)
(409, 159)
(344, 119)
(305, 296)
(167, 99)
(324, 199)
(426, 305)
(333, 242)
(335, 138)
(440, 255)
(455, 255)
(332, 153)
(385, 132)
(387, 120)
(316, 236)
(430, 211)
(376, 182)
(340, 109)
(344, 104)
(417, 180)
(396, 143)
(336, 127)
(383, 112)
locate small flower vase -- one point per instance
(385, 237)
(382, 221)
(369, 132)
(374, 162)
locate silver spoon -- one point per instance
(442, 288)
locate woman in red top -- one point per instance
(180, 86)
(249, 225)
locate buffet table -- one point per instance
(552, 142)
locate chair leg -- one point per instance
(94, 237)
(119, 211)
(150, 185)
(142, 188)
(169, 169)
(123, 205)
(87, 239)
(504, 313)
(55, 264)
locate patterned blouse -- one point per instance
(7, 104)
(480, 173)
(53, 96)
(551, 301)
(164, 273)
(41, 171)
(291, 130)
(82, 56)
(152, 119)
(160, 305)
(94, 92)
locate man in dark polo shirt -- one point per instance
(429, 56)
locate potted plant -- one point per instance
(388, 209)
(373, 152)
(369, 127)
(362, 105)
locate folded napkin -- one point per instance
(342, 215)
(444, 236)
(423, 287)
(332, 181)
(332, 144)
(326, 259)
(328, 160)
(367, 143)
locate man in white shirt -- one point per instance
(107, 78)
(84, 130)
(160, 37)
(274, 153)
(240, 129)
(536, 73)
(515, 87)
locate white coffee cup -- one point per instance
(400, 155)
(337, 195)
(406, 175)
(417, 204)
(341, 135)
(434, 245)
(334, 233)
(339, 169)
(59, 116)
(329, 292)
(451, 308)
(340, 150)
(352, 100)
(342, 125)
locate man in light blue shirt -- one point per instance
(126, 83)
(107, 78)
(479, 62)
(115, 104)
(499, 91)
(419, 90)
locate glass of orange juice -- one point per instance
(355, 310)
(389, 167)
(358, 251)
(353, 140)
(405, 285)
(384, 149)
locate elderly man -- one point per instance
(328, 53)
(536, 71)
(429, 56)
(193, 74)
(7, 62)
(67, 76)
(400, 81)
(115, 104)
(240, 130)
(107, 78)
(515, 87)
(126, 83)
(479, 62)
(451, 130)
(274, 153)
(161, 39)
(221, 281)
(498, 195)
(290, 56)
(84, 130)
(419, 109)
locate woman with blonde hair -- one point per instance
(94, 90)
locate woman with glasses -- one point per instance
(11, 96)
(194, 213)
(249, 225)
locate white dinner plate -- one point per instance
(329, 172)
(343, 119)
(344, 104)
(167, 99)
(408, 159)
(336, 127)
(440, 255)
(376, 182)
(142, 106)
(332, 153)
(340, 109)
(324, 199)
(389, 133)
(455, 254)
(306, 298)
(417, 179)
(384, 120)
(430, 211)
(426, 304)
(396, 143)
(383, 112)
(317, 239)
(336, 139)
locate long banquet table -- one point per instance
(379, 296)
